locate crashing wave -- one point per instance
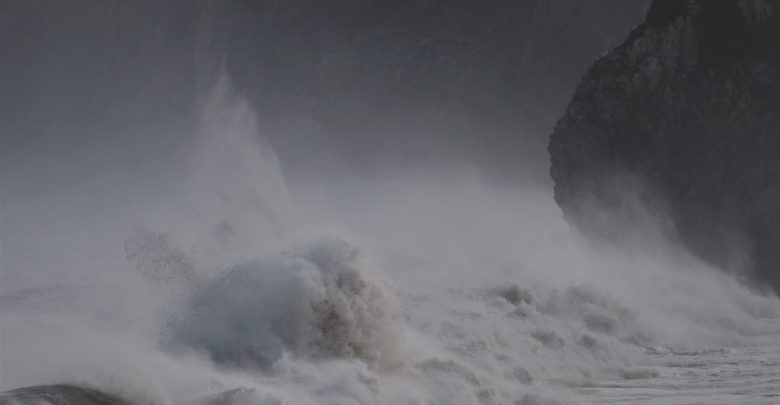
(320, 301)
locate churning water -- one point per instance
(436, 288)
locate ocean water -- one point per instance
(250, 337)
(741, 375)
(411, 288)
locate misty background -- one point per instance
(111, 87)
(186, 185)
(100, 99)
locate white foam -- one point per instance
(320, 301)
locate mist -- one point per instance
(191, 244)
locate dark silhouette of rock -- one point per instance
(59, 394)
(688, 110)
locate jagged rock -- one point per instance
(688, 107)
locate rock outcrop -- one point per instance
(688, 107)
(59, 394)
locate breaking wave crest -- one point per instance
(319, 301)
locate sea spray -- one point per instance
(319, 301)
(238, 205)
(500, 301)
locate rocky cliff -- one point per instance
(687, 109)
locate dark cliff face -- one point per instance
(688, 107)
